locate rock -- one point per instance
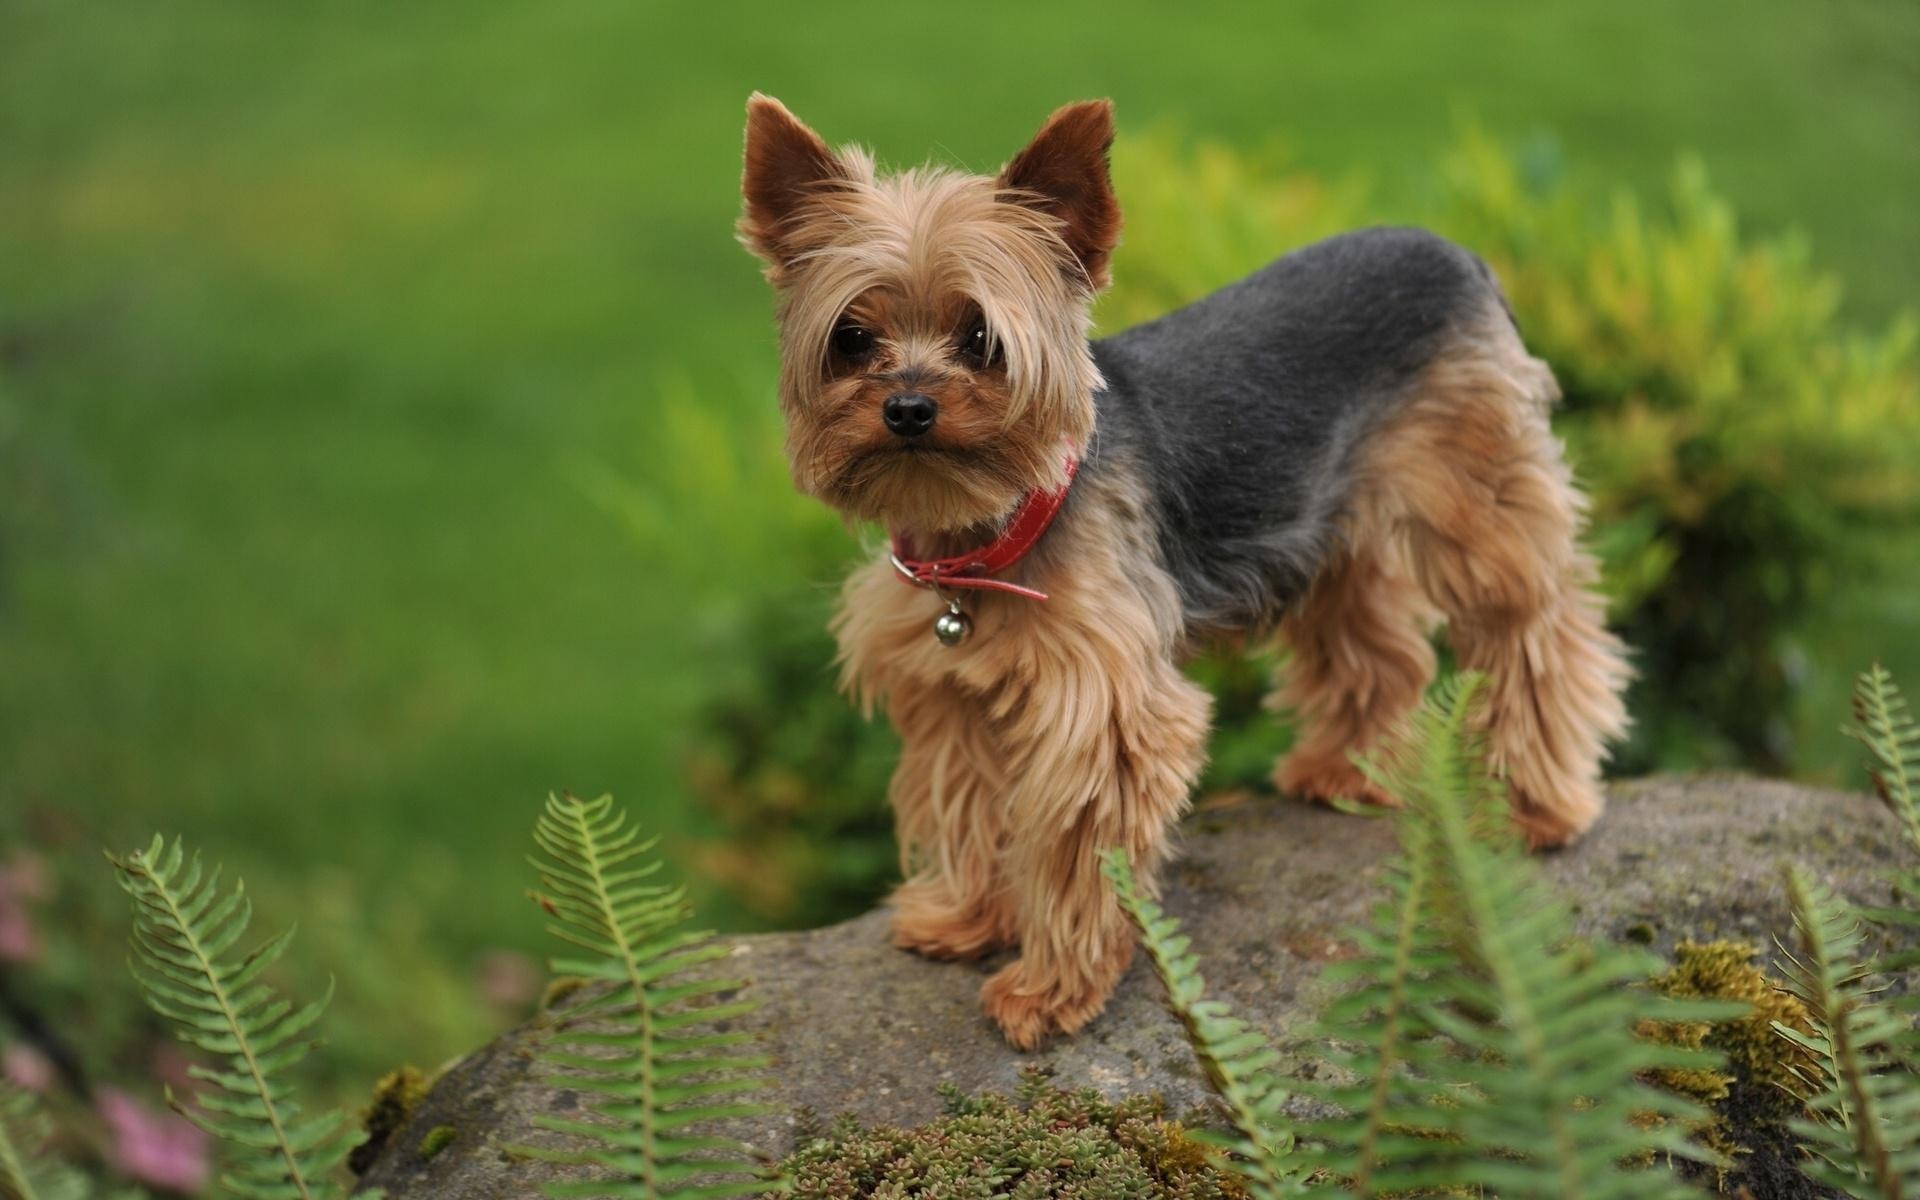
(1265, 889)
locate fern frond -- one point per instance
(1481, 1047)
(1865, 1095)
(185, 930)
(644, 1044)
(26, 1171)
(1884, 724)
(1237, 1057)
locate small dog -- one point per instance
(1345, 448)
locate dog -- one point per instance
(1343, 449)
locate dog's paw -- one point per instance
(928, 920)
(1328, 780)
(1548, 826)
(1027, 1010)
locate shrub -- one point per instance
(795, 776)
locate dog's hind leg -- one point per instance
(1358, 660)
(1474, 479)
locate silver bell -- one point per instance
(952, 626)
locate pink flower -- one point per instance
(160, 1150)
(26, 1068)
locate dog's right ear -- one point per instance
(786, 163)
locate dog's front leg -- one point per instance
(1105, 744)
(948, 802)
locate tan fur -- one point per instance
(1061, 729)
(908, 248)
(1359, 661)
(1465, 505)
(1064, 728)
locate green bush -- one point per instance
(1743, 450)
(795, 776)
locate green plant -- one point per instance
(185, 930)
(1743, 447)
(644, 1041)
(1238, 1060)
(1863, 1090)
(1884, 724)
(1043, 1143)
(1477, 1045)
(792, 772)
(27, 1171)
(1862, 1085)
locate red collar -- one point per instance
(972, 569)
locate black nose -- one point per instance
(909, 414)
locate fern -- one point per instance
(642, 1044)
(185, 928)
(1865, 1093)
(1479, 1047)
(1238, 1059)
(26, 1173)
(1884, 724)
(1486, 1048)
(1381, 1122)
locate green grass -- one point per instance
(314, 321)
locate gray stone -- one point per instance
(1265, 889)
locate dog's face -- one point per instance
(934, 364)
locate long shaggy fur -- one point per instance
(1347, 448)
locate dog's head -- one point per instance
(933, 324)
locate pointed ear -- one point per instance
(1063, 172)
(784, 162)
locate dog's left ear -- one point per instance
(1063, 172)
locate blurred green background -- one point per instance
(386, 426)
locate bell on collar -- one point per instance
(952, 626)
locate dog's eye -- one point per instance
(976, 347)
(852, 341)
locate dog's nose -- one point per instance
(909, 414)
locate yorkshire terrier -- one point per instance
(1343, 449)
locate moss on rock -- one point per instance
(438, 1138)
(1043, 1143)
(1752, 1099)
(395, 1097)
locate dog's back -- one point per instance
(1240, 411)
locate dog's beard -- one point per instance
(929, 489)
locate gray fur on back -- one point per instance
(1240, 413)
